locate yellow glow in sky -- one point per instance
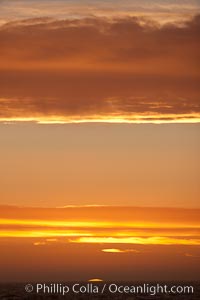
(138, 240)
(129, 119)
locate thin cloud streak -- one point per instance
(114, 250)
(138, 241)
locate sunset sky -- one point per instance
(99, 140)
(104, 164)
(110, 243)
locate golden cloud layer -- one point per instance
(103, 225)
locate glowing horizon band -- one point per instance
(159, 240)
(99, 224)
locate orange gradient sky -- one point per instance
(94, 170)
(105, 164)
(99, 140)
(78, 242)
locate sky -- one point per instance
(99, 140)
(99, 242)
(109, 164)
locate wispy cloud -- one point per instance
(192, 255)
(138, 240)
(115, 250)
(39, 243)
(161, 11)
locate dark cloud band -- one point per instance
(94, 69)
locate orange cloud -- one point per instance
(114, 250)
(192, 255)
(98, 70)
(163, 12)
(109, 225)
(97, 44)
(39, 243)
(139, 241)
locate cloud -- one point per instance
(107, 225)
(120, 214)
(138, 241)
(163, 12)
(191, 255)
(114, 250)
(95, 69)
(39, 244)
(99, 44)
